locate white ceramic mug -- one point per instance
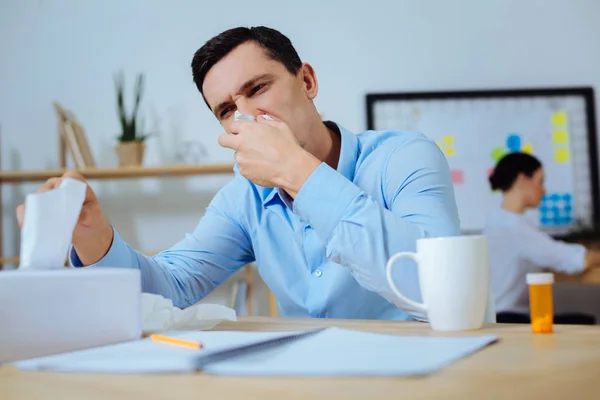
(454, 281)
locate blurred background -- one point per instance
(68, 51)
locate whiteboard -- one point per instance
(475, 129)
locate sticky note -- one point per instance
(449, 139)
(449, 151)
(562, 155)
(528, 148)
(559, 118)
(559, 137)
(498, 153)
(458, 176)
(513, 142)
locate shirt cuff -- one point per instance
(117, 255)
(324, 198)
(578, 259)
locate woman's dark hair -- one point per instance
(510, 166)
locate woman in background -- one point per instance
(518, 247)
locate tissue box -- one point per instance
(49, 312)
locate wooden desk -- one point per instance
(565, 364)
(591, 277)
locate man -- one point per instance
(318, 208)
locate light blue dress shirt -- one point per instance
(323, 254)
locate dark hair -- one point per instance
(278, 47)
(510, 166)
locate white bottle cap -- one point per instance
(540, 278)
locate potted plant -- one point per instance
(130, 149)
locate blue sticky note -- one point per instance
(544, 221)
(555, 197)
(513, 142)
(568, 209)
(556, 220)
(567, 197)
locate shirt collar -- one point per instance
(346, 165)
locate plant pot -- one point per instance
(131, 154)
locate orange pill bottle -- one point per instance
(540, 302)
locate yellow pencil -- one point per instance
(175, 341)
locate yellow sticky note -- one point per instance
(449, 139)
(449, 151)
(561, 155)
(559, 118)
(528, 148)
(560, 137)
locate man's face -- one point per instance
(249, 81)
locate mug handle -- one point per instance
(417, 306)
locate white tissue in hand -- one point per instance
(159, 315)
(237, 116)
(48, 224)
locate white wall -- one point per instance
(67, 50)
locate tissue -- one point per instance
(48, 224)
(237, 116)
(159, 315)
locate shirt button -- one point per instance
(318, 273)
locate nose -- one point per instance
(244, 106)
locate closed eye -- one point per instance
(226, 111)
(257, 89)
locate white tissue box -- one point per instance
(49, 312)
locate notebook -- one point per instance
(331, 351)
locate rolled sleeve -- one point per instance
(324, 198)
(576, 259)
(541, 249)
(117, 255)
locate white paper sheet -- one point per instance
(331, 352)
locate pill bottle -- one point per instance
(540, 302)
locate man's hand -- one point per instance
(269, 154)
(93, 234)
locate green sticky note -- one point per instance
(498, 153)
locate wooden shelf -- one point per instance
(118, 173)
(8, 260)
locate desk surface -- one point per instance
(564, 364)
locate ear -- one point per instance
(309, 81)
(520, 180)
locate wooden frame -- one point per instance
(72, 137)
